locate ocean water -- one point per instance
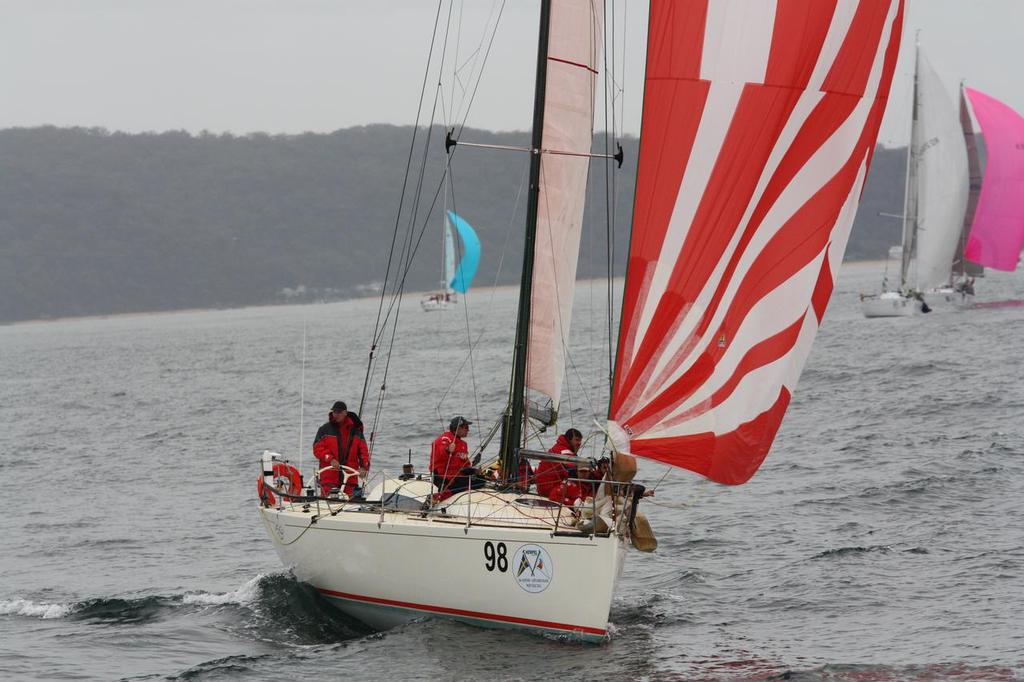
(883, 539)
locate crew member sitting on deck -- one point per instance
(339, 430)
(449, 459)
(552, 476)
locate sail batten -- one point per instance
(738, 230)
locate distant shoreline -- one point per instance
(411, 294)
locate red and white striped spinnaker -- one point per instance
(574, 53)
(759, 121)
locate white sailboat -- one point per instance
(758, 126)
(935, 203)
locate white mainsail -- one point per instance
(574, 51)
(942, 179)
(449, 256)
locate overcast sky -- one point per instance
(287, 66)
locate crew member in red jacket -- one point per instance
(357, 453)
(449, 459)
(551, 476)
(342, 433)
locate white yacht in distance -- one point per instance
(935, 203)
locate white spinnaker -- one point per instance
(574, 52)
(942, 179)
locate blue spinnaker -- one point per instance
(466, 269)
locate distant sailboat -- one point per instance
(997, 232)
(935, 201)
(455, 279)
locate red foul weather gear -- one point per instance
(325, 449)
(551, 477)
(551, 474)
(448, 465)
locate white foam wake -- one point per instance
(245, 594)
(24, 607)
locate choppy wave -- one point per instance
(227, 666)
(140, 608)
(245, 594)
(953, 672)
(31, 609)
(270, 607)
(848, 551)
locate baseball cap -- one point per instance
(457, 422)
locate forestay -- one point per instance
(574, 51)
(760, 117)
(997, 234)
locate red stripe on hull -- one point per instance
(448, 611)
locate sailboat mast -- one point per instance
(512, 429)
(909, 185)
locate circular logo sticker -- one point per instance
(532, 568)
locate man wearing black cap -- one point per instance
(449, 459)
(329, 437)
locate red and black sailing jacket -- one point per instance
(353, 445)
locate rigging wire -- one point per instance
(409, 248)
(483, 63)
(398, 218)
(396, 295)
(465, 312)
(497, 278)
(302, 390)
(411, 244)
(610, 194)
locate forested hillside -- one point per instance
(93, 222)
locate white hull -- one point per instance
(433, 303)
(889, 304)
(947, 299)
(388, 568)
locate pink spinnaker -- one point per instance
(998, 230)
